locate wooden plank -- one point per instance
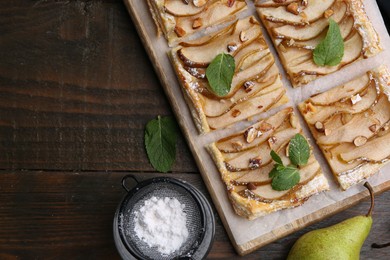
(68, 215)
(247, 236)
(72, 96)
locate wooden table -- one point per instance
(76, 90)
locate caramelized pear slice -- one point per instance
(352, 51)
(314, 11)
(322, 113)
(178, 8)
(214, 107)
(227, 144)
(244, 110)
(312, 30)
(272, 3)
(201, 56)
(347, 90)
(360, 125)
(375, 150)
(241, 160)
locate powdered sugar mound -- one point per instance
(161, 222)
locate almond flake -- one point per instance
(250, 134)
(248, 86)
(293, 8)
(373, 128)
(179, 31)
(265, 127)
(355, 99)
(293, 121)
(197, 23)
(360, 140)
(328, 13)
(236, 113)
(243, 36)
(327, 132)
(272, 140)
(251, 186)
(199, 3)
(254, 163)
(231, 47)
(319, 126)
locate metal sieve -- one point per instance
(200, 219)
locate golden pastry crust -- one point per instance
(295, 35)
(178, 20)
(259, 199)
(352, 126)
(256, 85)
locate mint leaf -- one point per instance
(160, 142)
(220, 74)
(299, 150)
(286, 178)
(276, 157)
(330, 50)
(274, 172)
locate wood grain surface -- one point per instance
(76, 90)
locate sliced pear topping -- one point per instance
(338, 93)
(352, 51)
(241, 160)
(314, 10)
(253, 106)
(275, 121)
(374, 150)
(322, 113)
(201, 56)
(266, 192)
(178, 8)
(310, 31)
(215, 107)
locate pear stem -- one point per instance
(371, 190)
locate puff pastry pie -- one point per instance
(178, 19)
(244, 162)
(351, 126)
(298, 26)
(256, 85)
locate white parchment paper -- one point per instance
(240, 230)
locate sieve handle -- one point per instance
(124, 181)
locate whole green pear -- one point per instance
(341, 241)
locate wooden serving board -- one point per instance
(246, 235)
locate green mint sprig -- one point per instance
(160, 142)
(286, 177)
(330, 50)
(220, 74)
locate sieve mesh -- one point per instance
(161, 189)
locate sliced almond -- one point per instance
(293, 8)
(231, 47)
(360, 140)
(199, 3)
(253, 20)
(355, 99)
(327, 131)
(304, 2)
(180, 32)
(243, 36)
(282, 48)
(309, 108)
(248, 86)
(328, 13)
(373, 128)
(272, 140)
(293, 121)
(186, 2)
(251, 186)
(250, 134)
(236, 113)
(197, 23)
(319, 126)
(254, 163)
(230, 3)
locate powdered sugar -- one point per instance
(161, 223)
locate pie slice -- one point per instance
(179, 19)
(297, 27)
(351, 126)
(244, 162)
(256, 85)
